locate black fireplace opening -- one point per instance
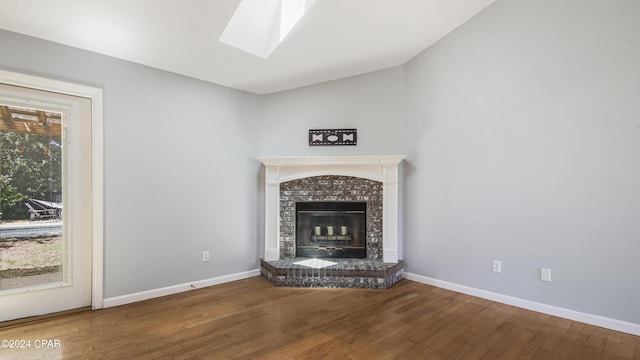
(331, 229)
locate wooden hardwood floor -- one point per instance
(251, 319)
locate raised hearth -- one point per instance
(344, 273)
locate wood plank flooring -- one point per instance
(251, 319)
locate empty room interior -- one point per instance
(439, 179)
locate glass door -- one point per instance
(45, 202)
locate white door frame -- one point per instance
(97, 165)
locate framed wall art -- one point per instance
(327, 137)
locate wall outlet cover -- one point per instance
(497, 266)
(545, 274)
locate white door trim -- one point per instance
(97, 161)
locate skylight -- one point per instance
(259, 26)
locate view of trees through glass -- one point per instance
(31, 244)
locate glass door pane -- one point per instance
(32, 246)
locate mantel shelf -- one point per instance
(286, 161)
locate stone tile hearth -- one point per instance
(345, 273)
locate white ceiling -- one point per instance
(336, 39)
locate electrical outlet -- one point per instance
(545, 274)
(497, 266)
(205, 256)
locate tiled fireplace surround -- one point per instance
(372, 179)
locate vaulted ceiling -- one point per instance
(336, 39)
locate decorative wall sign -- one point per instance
(333, 137)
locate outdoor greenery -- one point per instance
(30, 167)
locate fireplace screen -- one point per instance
(331, 229)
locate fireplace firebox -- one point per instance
(331, 229)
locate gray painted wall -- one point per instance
(523, 135)
(372, 103)
(170, 144)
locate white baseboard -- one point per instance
(150, 294)
(596, 320)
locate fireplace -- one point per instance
(342, 207)
(287, 181)
(331, 229)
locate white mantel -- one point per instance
(382, 168)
